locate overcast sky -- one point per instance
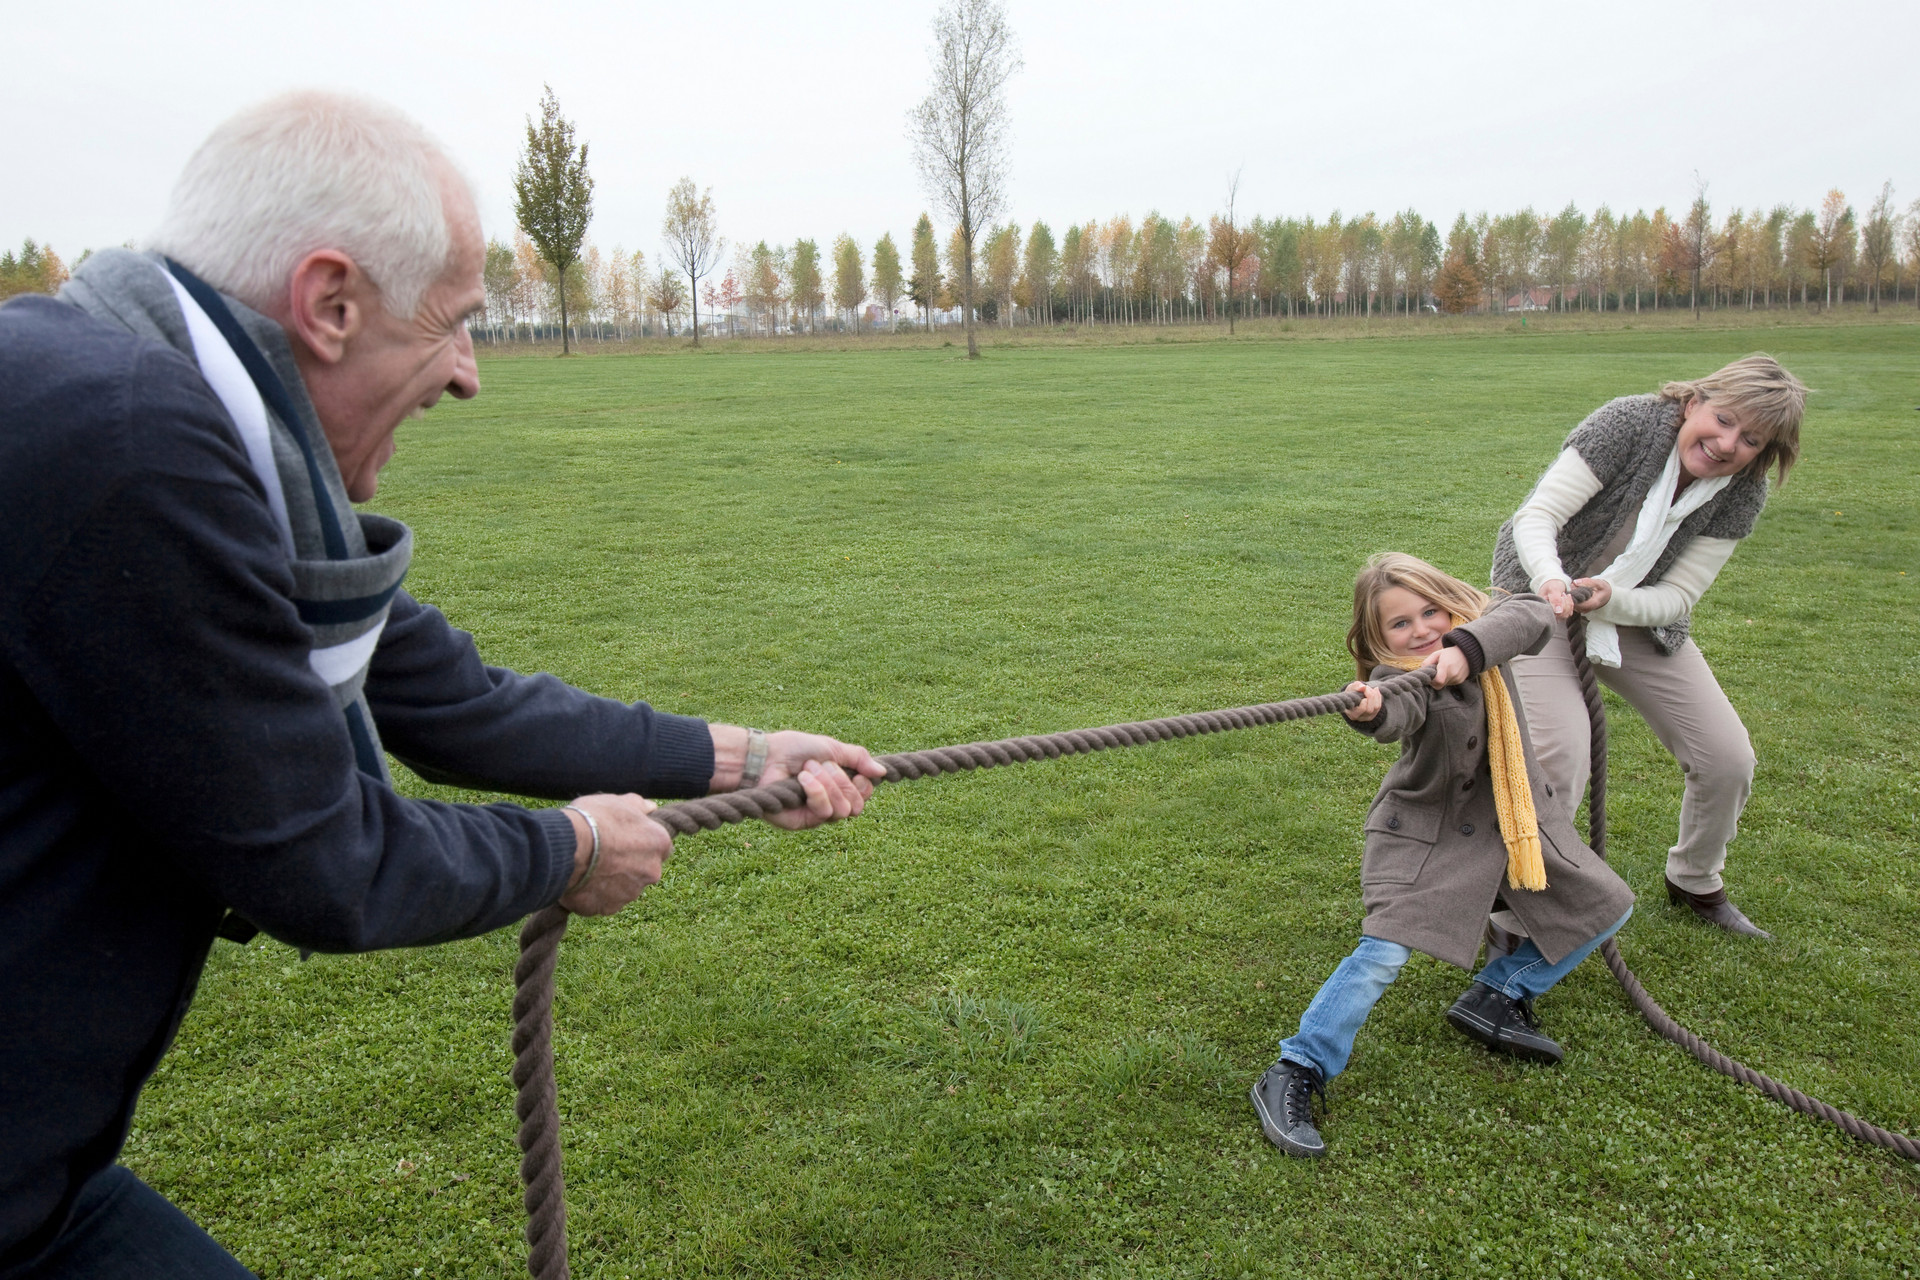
(794, 113)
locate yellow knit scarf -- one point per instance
(1512, 792)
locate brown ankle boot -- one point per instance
(1715, 909)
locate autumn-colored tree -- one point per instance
(923, 286)
(960, 264)
(1772, 253)
(637, 287)
(1230, 245)
(1832, 239)
(1281, 276)
(1118, 252)
(960, 129)
(1190, 246)
(1036, 273)
(728, 296)
(1457, 288)
(500, 279)
(1694, 243)
(1002, 258)
(667, 295)
(1565, 235)
(763, 284)
(1324, 260)
(808, 290)
(553, 196)
(693, 237)
(849, 278)
(37, 269)
(1910, 240)
(1074, 252)
(1877, 242)
(1360, 241)
(1512, 256)
(887, 283)
(585, 283)
(1162, 270)
(1799, 254)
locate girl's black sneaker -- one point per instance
(1502, 1024)
(1283, 1098)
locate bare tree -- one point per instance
(692, 238)
(959, 132)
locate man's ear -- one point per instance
(327, 299)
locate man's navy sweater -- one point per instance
(167, 753)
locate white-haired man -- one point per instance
(206, 652)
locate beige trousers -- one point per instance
(1684, 706)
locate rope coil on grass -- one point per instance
(537, 1102)
(1656, 1017)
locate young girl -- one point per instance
(1464, 817)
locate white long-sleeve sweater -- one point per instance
(1569, 485)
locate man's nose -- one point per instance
(465, 382)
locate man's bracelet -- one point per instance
(593, 858)
(756, 763)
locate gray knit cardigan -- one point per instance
(1626, 443)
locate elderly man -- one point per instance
(206, 652)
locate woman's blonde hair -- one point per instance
(1766, 398)
(1366, 641)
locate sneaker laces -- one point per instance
(1302, 1083)
(1525, 1008)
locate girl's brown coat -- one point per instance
(1434, 858)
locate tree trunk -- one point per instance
(564, 348)
(966, 275)
(693, 296)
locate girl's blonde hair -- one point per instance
(1366, 641)
(1766, 398)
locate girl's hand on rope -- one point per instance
(1369, 701)
(633, 849)
(823, 766)
(1449, 667)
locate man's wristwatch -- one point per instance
(756, 759)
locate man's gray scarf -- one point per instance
(346, 565)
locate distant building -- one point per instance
(1538, 298)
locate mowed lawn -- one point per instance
(1004, 1024)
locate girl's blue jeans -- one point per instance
(1328, 1027)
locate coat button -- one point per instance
(1468, 786)
(1472, 743)
(1466, 828)
(1393, 824)
(1549, 788)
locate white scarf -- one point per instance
(229, 381)
(227, 377)
(1659, 516)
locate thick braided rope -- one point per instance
(709, 812)
(1658, 1018)
(537, 1100)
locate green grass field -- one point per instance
(1004, 1024)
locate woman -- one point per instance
(1647, 500)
